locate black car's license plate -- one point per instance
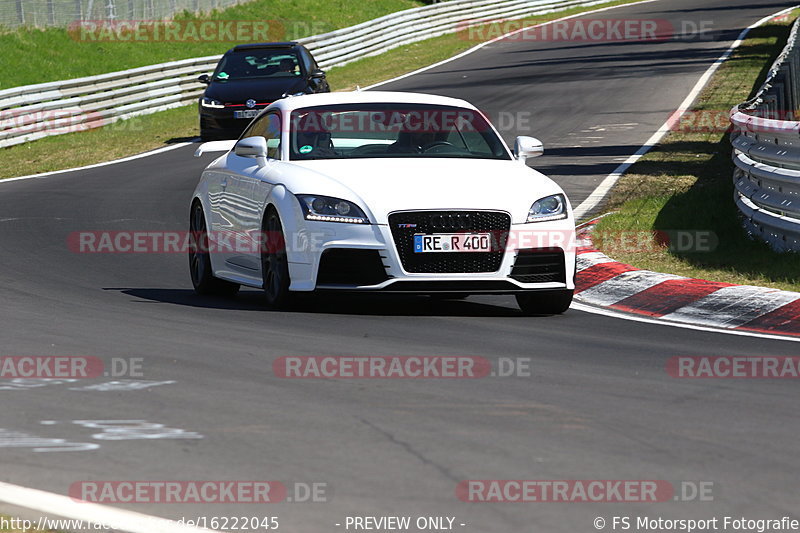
(247, 113)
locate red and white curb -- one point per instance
(603, 282)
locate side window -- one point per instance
(309, 64)
(256, 128)
(269, 127)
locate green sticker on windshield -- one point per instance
(306, 149)
(223, 75)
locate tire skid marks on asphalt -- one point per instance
(731, 307)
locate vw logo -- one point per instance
(250, 103)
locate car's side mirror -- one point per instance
(204, 78)
(252, 147)
(315, 85)
(525, 147)
(316, 74)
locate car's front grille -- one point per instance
(405, 225)
(539, 266)
(344, 266)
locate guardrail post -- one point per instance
(111, 10)
(20, 12)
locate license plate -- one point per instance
(453, 242)
(247, 113)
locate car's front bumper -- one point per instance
(221, 123)
(375, 253)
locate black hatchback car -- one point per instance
(248, 78)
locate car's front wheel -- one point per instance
(545, 302)
(274, 263)
(203, 278)
(207, 133)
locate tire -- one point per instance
(544, 302)
(208, 134)
(274, 263)
(200, 269)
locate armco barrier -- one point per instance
(42, 13)
(766, 152)
(35, 111)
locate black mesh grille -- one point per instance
(342, 266)
(405, 225)
(539, 266)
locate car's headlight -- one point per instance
(210, 102)
(327, 209)
(553, 207)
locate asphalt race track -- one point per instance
(599, 403)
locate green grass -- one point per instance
(42, 55)
(686, 183)
(121, 139)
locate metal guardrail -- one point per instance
(35, 111)
(42, 13)
(766, 152)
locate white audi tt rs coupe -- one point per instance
(382, 192)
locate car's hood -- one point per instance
(386, 185)
(259, 89)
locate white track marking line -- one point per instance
(577, 306)
(509, 34)
(731, 307)
(605, 186)
(623, 286)
(117, 519)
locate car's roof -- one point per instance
(262, 46)
(360, 97)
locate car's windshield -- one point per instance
(257, 63)
(348, 131)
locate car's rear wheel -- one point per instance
(545, 302)
(275, 263)
(203, 278)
